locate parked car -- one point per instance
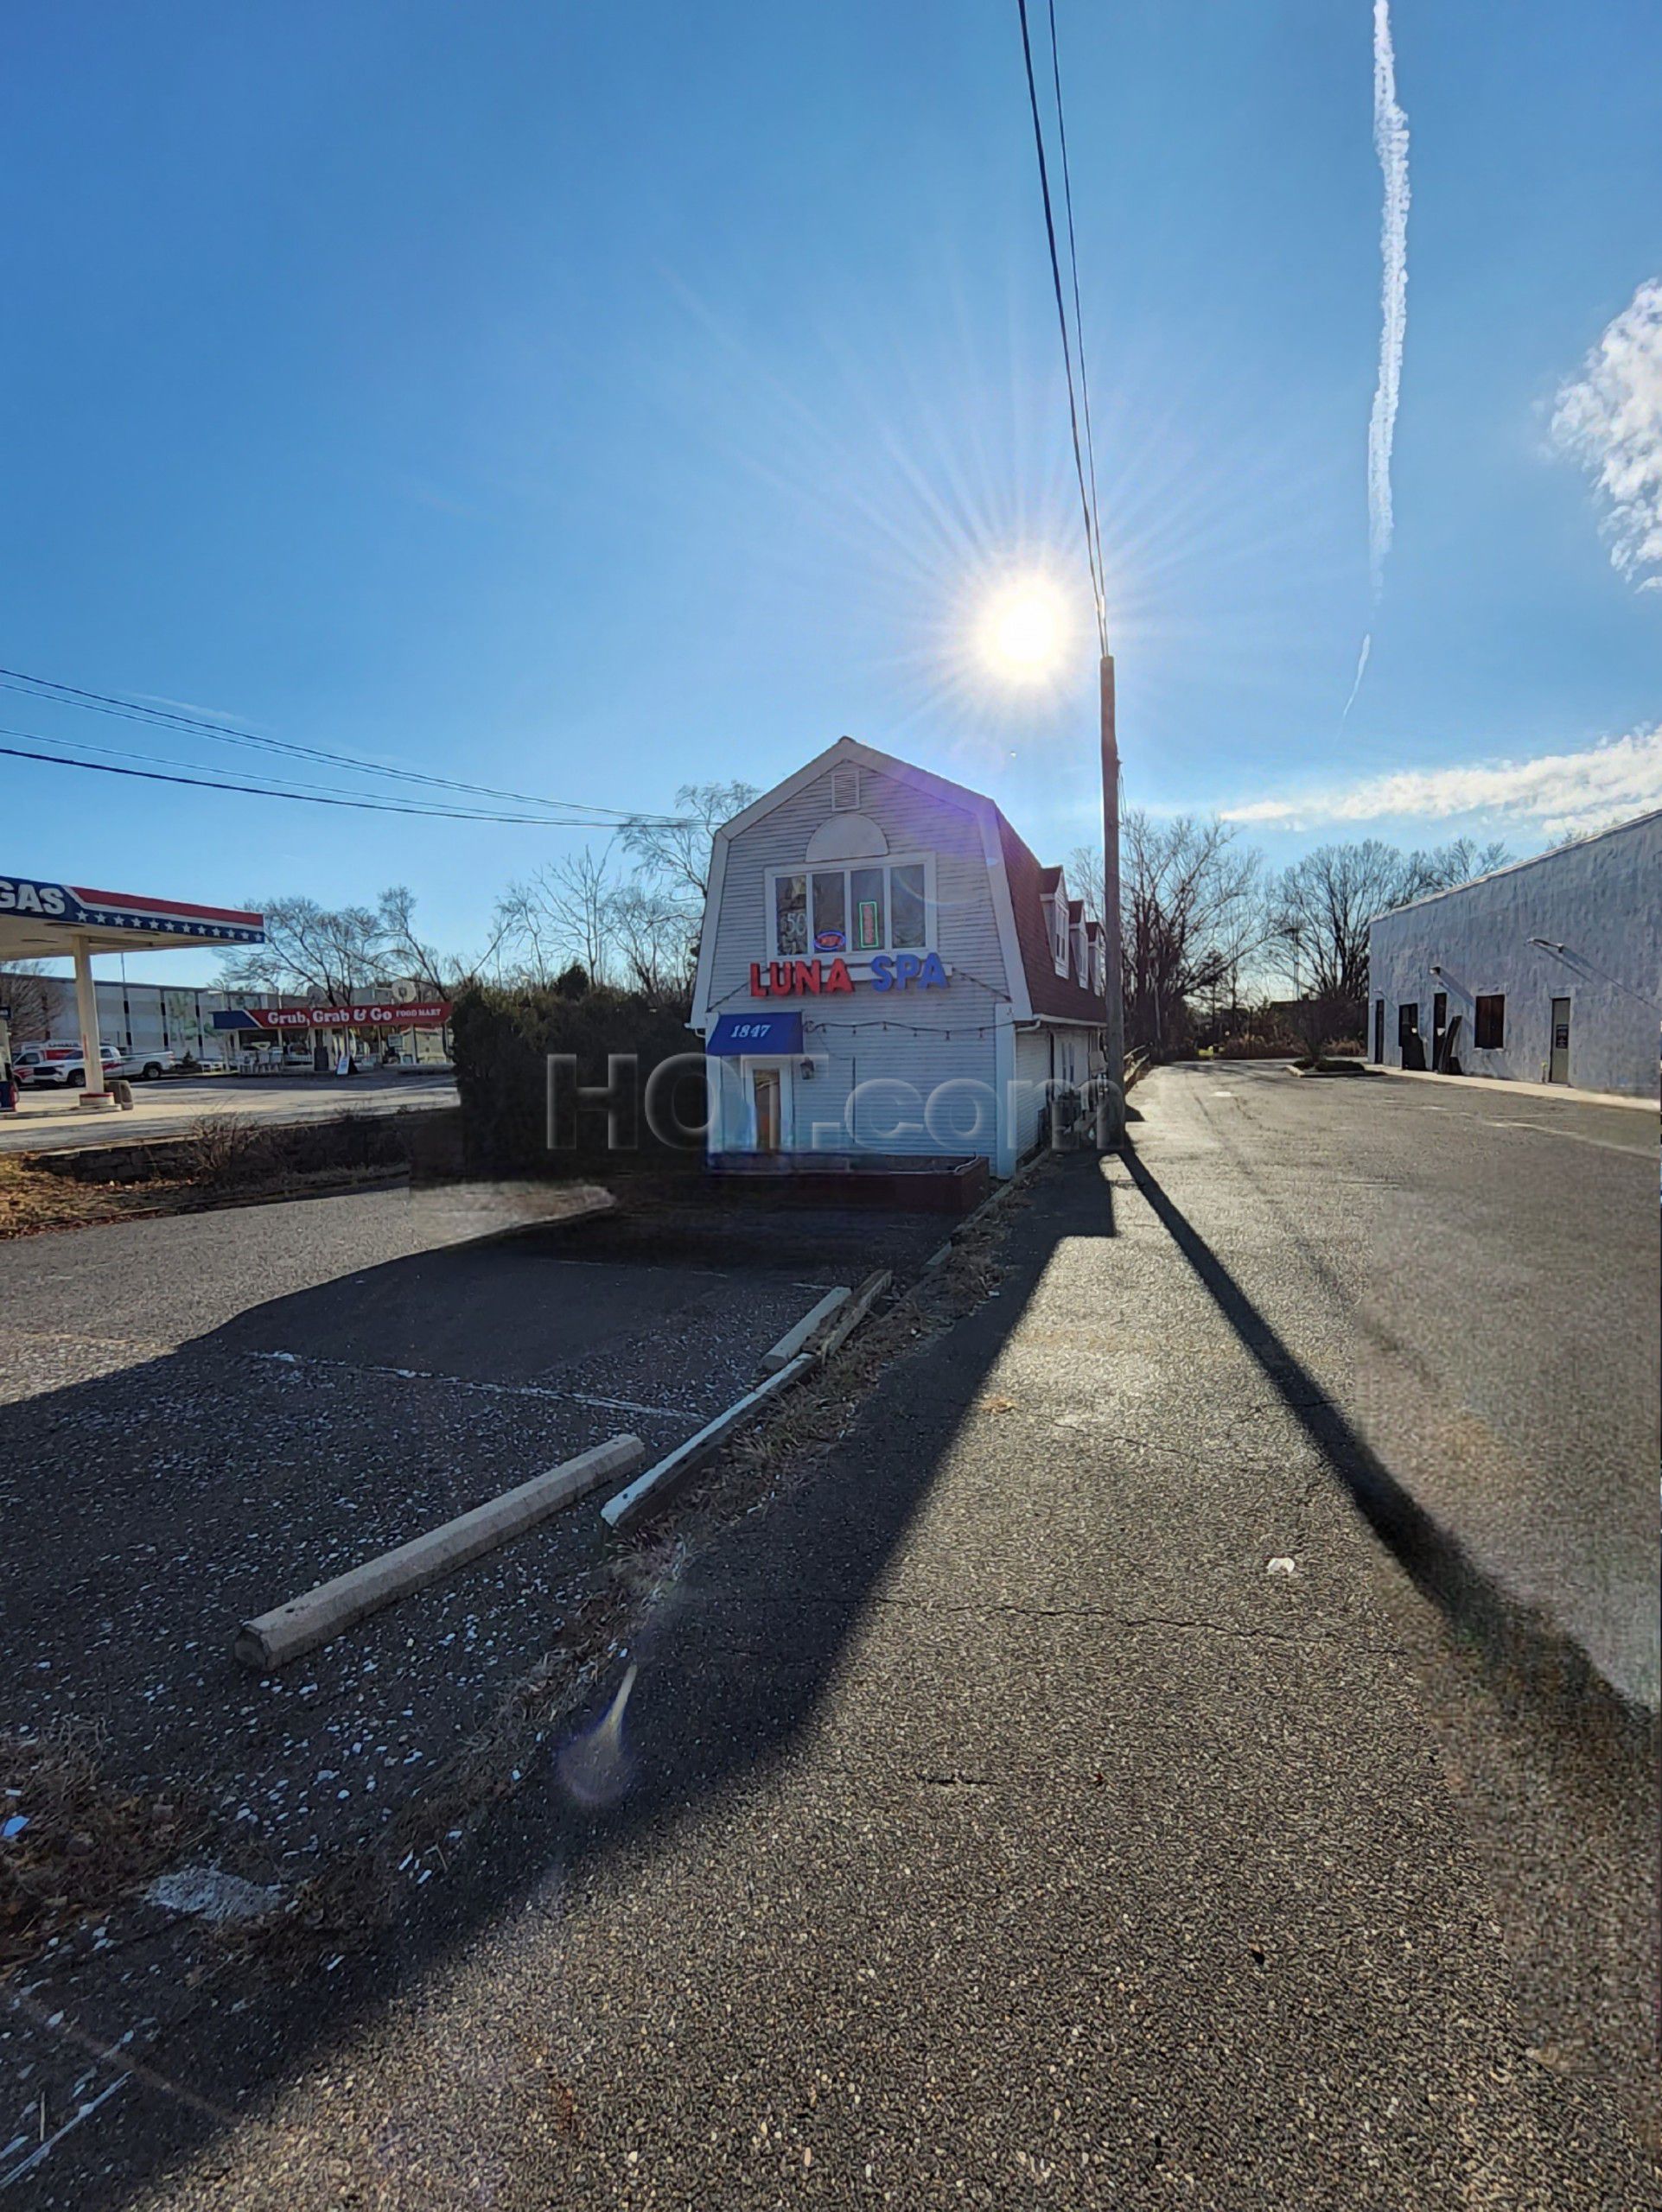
(61, 1064)
(152, 1062)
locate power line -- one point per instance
(291, 786)
(1079, 319)
(105, 703)
(1062, 317)
(304, 798)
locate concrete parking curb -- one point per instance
(649, 1492)
(322, 1614)
(833, 1334)
(782, 1353)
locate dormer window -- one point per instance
(1079, 966)
(1056, 922)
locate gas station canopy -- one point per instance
(66, 921)
(43, 921)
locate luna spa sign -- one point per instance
(890, 971)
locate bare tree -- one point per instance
(676, 857)
(649, 938)
(559, 915)
(333, 955)
(1191, 914)
(32, 994)
(405, 952)
(1321, 907)
(640, 929)
(1445, 866)
(326, 954)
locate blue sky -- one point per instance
(591, 401)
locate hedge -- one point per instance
(502, 1039)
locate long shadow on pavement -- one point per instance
(1524, 1656)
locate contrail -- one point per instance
(1390, 144)
(1361, 663)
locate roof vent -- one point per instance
(846, 789)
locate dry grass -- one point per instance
(228, 1151)
(33, 1201)
(227, 1161)
(84, 1844)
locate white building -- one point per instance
(139, 1018)
(886, 968)
(1548, 971)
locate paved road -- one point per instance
(992, 1824)
(1475, 1277)
(53, 1121)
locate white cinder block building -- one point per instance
(1548, 971)
(886, 968)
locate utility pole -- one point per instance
(1110, 1118)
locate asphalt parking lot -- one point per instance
(202, 1416)
(205, 1416)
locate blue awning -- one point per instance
(759, 1036)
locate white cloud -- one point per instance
(1610, 417)
(1562, 791)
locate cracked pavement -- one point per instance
(990, 1824)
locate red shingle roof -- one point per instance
(1059, 996)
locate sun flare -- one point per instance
(1024, 631)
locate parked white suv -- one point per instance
(60, 1063)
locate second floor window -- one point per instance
(849, 912)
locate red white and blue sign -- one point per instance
(75, 907)
(390, 1014)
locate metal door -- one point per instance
(1439, 1026)
(1558, 1066)
(1379, 1031)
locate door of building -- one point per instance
(1410, 1051)
(1439, 1024)
(1379, 1033)
(770, 1105)
(1558, 1066)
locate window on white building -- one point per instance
(1056, 923)
(866, 907)
(790, 916)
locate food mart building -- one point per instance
(885, 967)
